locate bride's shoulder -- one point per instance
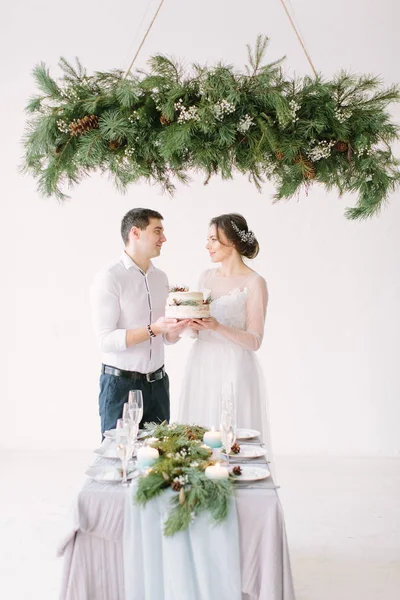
(256, 280)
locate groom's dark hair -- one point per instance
(137, 217)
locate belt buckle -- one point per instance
(159, 375)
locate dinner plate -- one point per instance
(112, 434)
(251, 473)
(108, 449)
(246, 434)
(109, 474)
(248, 451)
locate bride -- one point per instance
(222, 359)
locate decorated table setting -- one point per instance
(181, 520)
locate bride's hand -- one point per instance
(202, 324)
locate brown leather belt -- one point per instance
(150, 377)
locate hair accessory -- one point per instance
(246, 236)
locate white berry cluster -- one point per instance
(155, 94)
(321, 150)
(245, 123)
(182, 479)
(70, 93)
(342, 114)
(364, 151)
(269, 168)
(182, 453)
(194, 464)
(294, 109)
(62, 126)
(129, 152)
(222, 108)
(186, 114)
(122, 160)
(134, 116)
(172, 426)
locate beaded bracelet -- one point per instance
(150, 332)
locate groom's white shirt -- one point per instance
(125, 297)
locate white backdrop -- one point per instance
(332, 338)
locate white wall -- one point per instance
(332, 339)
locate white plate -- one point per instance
(246, 434)
(248, 451)
(112, 434)
(108, 449)
(250, 473)
(109, 474)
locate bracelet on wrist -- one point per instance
(150, 331)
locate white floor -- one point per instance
(342, 519)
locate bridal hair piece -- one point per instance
(246, 236)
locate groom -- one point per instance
(128, 302)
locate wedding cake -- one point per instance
(182, 304)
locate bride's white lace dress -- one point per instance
(219, 360)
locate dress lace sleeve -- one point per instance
(256, 310)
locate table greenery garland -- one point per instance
(165, 123)
(181, 465)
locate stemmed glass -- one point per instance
(135, 401)
(124, 446)
(132, 415)
(228, 420)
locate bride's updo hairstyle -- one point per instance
(238, 233)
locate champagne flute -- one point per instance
(135, 399)
(124, 447)
(227, 439)
(132, 414)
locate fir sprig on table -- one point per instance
(183, 460)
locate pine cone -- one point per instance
(176, 486)
(114, 144)
(190, 434)
(237, 470)
(82, 126)
(308, 167)
(235, 448)
(341, 146)
(164, 120)
(59, 148)
(182, 497)
(279, 155)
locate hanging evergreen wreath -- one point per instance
(164, 124)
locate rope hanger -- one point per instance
(295, 29)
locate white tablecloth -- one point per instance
(93, 549)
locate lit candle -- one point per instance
(212, 438)
(216, 472)
(146, 456)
